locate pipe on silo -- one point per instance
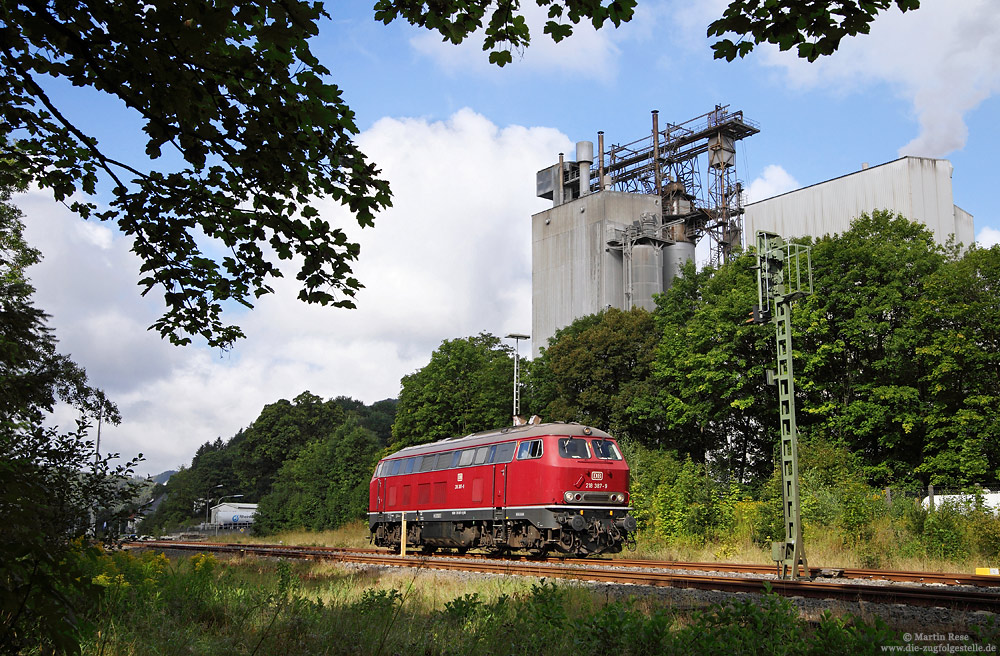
(559, 197)
(656, 153)
(584, 158)
(600, 162)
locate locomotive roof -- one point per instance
(499, 435)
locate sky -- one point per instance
(460, 141)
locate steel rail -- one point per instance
(898, 576)
(609, 571)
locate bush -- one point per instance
(984, 530)
(685, 507)
(861, 506)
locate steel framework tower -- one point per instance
(784, 274)
(666, 163)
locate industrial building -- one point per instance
(918, 188)
(620, 231)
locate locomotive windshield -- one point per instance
(576, 449)
(606, 450)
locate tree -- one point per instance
(325, 485)
(234, 91)
(594, 369)
(278, 434)
(15, 253)
(957, 331)
(377, 417)
(466, 387)
(813, 28)
(190, 490)
(711, 396)
(51, 482)
(859, 372)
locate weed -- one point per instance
(378, 602)
(463, 609)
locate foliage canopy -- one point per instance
(812, 28)
(466, 387)
(255, 136)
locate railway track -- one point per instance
(953, 591)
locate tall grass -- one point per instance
(353, 535)
(200, 605)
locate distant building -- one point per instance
(918, 188)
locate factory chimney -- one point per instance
(584, 158)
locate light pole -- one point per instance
(517, 337)
(208, 500)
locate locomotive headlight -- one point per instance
(568, 496)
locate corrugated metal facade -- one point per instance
(573, 272)
(918, 188)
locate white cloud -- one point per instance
(774, 181)
(988, 237)
(688, 23)
(451, 258)
(588, 53)
(944, 58)
(96, 235)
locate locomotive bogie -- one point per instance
(556, 487)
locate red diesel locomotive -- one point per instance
(540, 488)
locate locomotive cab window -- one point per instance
(530, 449)
(395, 467)
(606, 450)
(575, 449)
(409, 465)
